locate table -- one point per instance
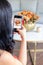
(33, 36)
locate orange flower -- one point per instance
(29, 15)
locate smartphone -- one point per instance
(17, 22)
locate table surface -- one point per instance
(33, 35)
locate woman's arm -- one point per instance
(23, 49)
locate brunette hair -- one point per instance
(5, 26)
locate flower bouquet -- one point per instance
(29, 19)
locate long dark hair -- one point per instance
(5, 26)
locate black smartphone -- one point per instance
(17, 23)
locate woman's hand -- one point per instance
(22, 33)
(23, 47)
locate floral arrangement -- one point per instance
(28, 16)
(29, 19)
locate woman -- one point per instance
(6, 45)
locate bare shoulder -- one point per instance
(4, 57)
(8, 59)
(3, 54)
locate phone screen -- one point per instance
(17, 21)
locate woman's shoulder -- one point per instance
(8, 59)
(4, 54)
(5, 57)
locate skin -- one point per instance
(7, 59)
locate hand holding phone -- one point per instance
(17, 23)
